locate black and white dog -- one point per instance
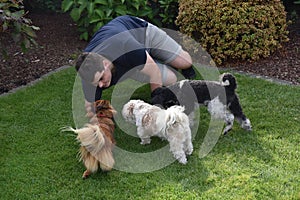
(219, 97)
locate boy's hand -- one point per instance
(90, 111)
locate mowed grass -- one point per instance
(40, 162)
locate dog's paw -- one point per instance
(226, 130)
(86, 174)
(189, 151)
(246, 125)
(145, 141)
(182, 160)
(180, 156)
(247, 128)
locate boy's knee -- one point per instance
(182, 61)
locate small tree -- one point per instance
(13, 22)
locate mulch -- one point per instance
(283, 64)
(59, 44)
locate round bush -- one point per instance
(234, 29)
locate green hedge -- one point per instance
(234, 29)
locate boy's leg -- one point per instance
(168, 75)
(165, 49)
(184, 61)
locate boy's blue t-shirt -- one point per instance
(122, 41)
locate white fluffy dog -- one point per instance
(171, 124)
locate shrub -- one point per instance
(93, 14)
(166, 12)
(234, 29)
(13, 22)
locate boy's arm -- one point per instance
(151, 69)
(91, 94)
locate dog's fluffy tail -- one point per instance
(228, 80)
(94, 147)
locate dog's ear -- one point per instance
(130, 109)
(96, 103)
(113, 111)
(147, 119)
(164, 97)
(106, 104)
(158, 91)
(170, 103)
(111, 108)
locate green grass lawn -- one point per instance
(40, 162)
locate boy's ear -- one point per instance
(106, 63)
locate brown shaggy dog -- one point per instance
(96, 139)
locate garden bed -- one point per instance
(59, 44)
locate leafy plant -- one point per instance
(234, 29)
(166, 12)
(93, 14)
(14, 23)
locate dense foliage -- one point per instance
(91, 15)
(234, 29)
(167, 11)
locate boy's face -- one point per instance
(102, 79)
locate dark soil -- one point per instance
(284, 64)
(59, 45)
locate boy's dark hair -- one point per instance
(87, 64)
